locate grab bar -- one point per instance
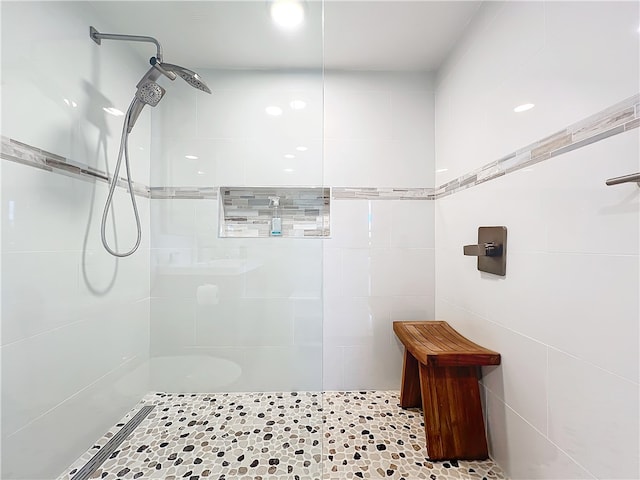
(632, 177)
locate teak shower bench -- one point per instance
(441, 368)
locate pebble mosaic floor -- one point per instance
(277, 436)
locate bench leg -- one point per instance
(410, 387)
(453, 418)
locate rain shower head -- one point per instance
(150, 93)
(189, 76)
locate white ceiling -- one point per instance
(393, 35)
(361, 35)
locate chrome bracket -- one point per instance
(97, 37)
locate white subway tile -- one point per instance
(40, 292)
(351, 224)
(413, 308)
(352, 321)
(523, 452)
(333, 366)
(357, 114)
(378, 365)
(112, 395)
(521, 378)
(198, 370)
(172, 325)
(412, 271)
(356, 272)
(265, 321)
(294, 272)
(412, 224)
(215, 324)
(593, 411)
(307, 322)
(412, 113)
(594, 316)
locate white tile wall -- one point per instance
(523, 451)
(565, 317)
(379, 263)
(378, 130)
(520, 382)
(253, 302)
(570, 382)
(85, 416)
(548, 62)
(236, 141)
(378, 267)
(74, 320)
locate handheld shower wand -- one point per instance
(148, 92)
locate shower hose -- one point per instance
(124, 148)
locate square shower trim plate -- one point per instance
(498, 236)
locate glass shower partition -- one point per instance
(237, 310)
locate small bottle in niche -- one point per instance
(276, 220)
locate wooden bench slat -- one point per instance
(429, 343)
(436, 343)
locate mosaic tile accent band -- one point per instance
(246, 211)
(34, 157)
(200, 193)
(372, 193)
(618, 118)
(277, 436)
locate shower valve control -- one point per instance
(491, 250)
(484, 250)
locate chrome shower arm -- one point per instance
(97, 37)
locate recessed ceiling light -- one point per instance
(302, 149)
(287, 14)
(200, 172)
(441, 170)
(288, 170)
(273, 110)
(289, 155)
(113, 111)
(524, 107)
(297, 104)
(191, 157)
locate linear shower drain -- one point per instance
(105, 452)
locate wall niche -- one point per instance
(246, 212)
